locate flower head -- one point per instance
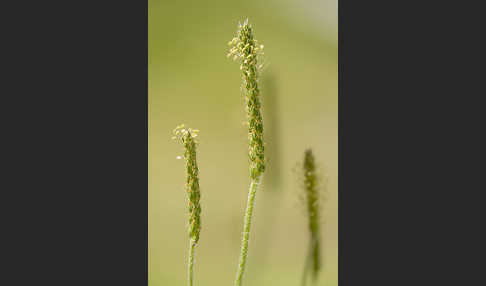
(187, 137)
(246, 49)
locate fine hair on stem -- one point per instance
(245, 48)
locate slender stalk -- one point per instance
(246, 230)
(312, 256)
(190, 264)
(307, 261)
(246, 48)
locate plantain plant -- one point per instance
(313, 189)
(187, 136)
(247, 50)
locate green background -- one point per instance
(191, 81)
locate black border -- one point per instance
(74, 110)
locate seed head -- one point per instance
(311, 187)
(187, 137)
(246, 49)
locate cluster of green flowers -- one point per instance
(311, 187)
(187, 137)
(247, 50)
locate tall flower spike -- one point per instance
(310, 181)
(187, 137)
(246, 49)
(311, 187)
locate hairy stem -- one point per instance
(246, 230)
(312, 253)
(190, 265)
(307, 261)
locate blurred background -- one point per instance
(192, 81)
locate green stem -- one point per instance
(190, 266)
(246, 230)
(306, 265)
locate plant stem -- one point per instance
(307, 261)
(190, 265)
(246, 230)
